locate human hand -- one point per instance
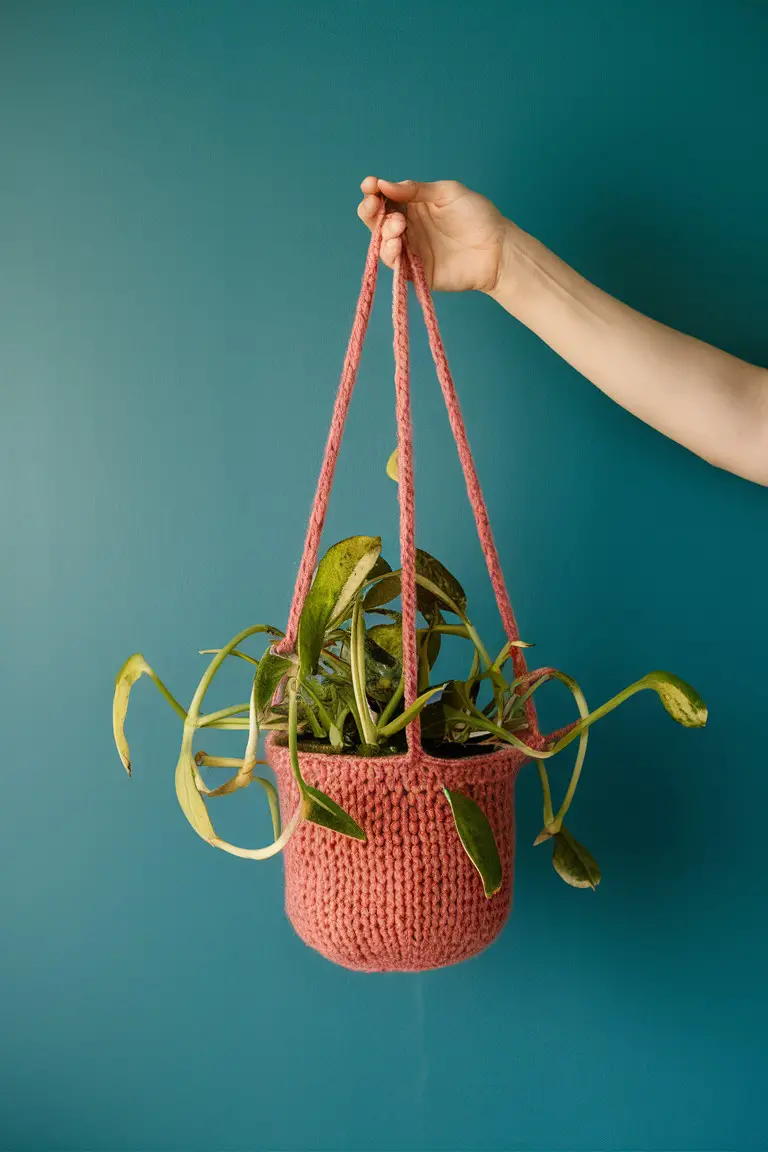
(459, 235)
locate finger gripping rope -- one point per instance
(409, 898)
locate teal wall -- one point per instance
(179, 259)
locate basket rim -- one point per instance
(497, 765)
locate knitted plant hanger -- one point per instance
(409, 898)
(398, 861)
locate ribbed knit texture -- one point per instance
(409, 898)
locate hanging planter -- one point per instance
(394, 805)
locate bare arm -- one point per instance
(709, 401)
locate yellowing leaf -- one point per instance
(339, 576)
(194, 808)
(134, 667)
(573, 863)
(681, 701)
(188, 794)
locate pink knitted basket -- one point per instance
(409, 898)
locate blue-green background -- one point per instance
(179, 260)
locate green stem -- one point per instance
(323, 713)
(548, 816)
(410, 713)
(177, 707)
(446, 629)
(222, 714)
(293, 750)
(581, 703)
(242, 655)
(215, 664)
(392, 703)
(598, 714)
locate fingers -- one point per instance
(392, 238)
(393, 227)
(368, 209)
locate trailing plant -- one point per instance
(341, 692)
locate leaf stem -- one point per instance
(293, 750)
(547, 795)
(323, 713)
(392, 703)
(357, 664)
(215, 664)
(222, 714)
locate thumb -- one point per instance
(413, 192)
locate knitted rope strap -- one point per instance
(409, 264)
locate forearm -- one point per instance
(711, 402)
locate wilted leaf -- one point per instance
(573, 863)
(320, 809)
(194, 808)
(477, 837)
(188, 793)
(134, 667)
(339, 576)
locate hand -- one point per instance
(459, 235)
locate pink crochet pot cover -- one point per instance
(409, 898)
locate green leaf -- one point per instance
(134, 667)
(389, 637)
(392, 467)
(273, 801)
(380, 568)
(430, 569)
(320, 809)
(573, 863)
(340, 574)
(434, 639)
(681, 701)
(476, 835)
(433, 570)
(268, 675)
(433, 722)
(382, 592)
(411, 713)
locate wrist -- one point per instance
(514, 269)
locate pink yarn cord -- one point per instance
(333, 443)
(471, 480)
(405, 490)
(409, 265)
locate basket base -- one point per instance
(418, 959)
